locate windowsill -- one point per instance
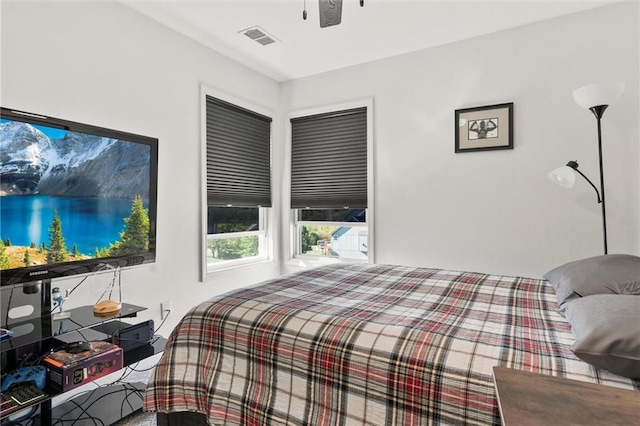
(314, 262)
(231, 265)
(238, 276)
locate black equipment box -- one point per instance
(128, 336)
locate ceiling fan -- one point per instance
(330, 12)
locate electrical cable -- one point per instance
(32, 422)
(144, 369)
(133, 391)
(88, 393)
(126, 387)
(164, 320)
(84, 410)
(22, 418)
(116, 273)
(120, 379)
(73, 289)
(84, 415)
(105, 395)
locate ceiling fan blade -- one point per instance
(330, 12)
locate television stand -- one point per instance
(108, 404)
(47, 334)
(83, 317)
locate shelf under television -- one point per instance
(39, 329)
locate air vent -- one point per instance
(259, 35)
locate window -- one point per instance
(235, 233)
(339, 234)
(330, 184)
(237, 155)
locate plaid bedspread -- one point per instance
(364, 345)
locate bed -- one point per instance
(364, 344)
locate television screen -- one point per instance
(73, 197)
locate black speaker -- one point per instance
(134, 336)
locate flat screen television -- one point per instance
(73, 197)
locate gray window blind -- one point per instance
(238, 156)
(329, 160)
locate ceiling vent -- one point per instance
(259, 35)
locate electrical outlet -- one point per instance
(165, 309)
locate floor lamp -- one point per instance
(596, 98)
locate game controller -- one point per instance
(36, 375)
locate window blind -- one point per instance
(329, 160)
(238, 156)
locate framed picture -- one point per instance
(484, 128)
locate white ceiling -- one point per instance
(379, 29)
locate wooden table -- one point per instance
(533, 399)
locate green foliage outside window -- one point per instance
(230, 220)
(309, 239)
(315, 235)
(233, 248)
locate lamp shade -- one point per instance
(563, 176)
(597, 94)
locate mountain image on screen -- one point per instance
(32, 163)
(86, 190)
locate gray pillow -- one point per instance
(607, 332)
(607, 274)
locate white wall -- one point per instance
(496, 211)
(107, 65)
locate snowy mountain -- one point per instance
(23, 157)
(77, 164)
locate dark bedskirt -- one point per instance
(181, 419)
